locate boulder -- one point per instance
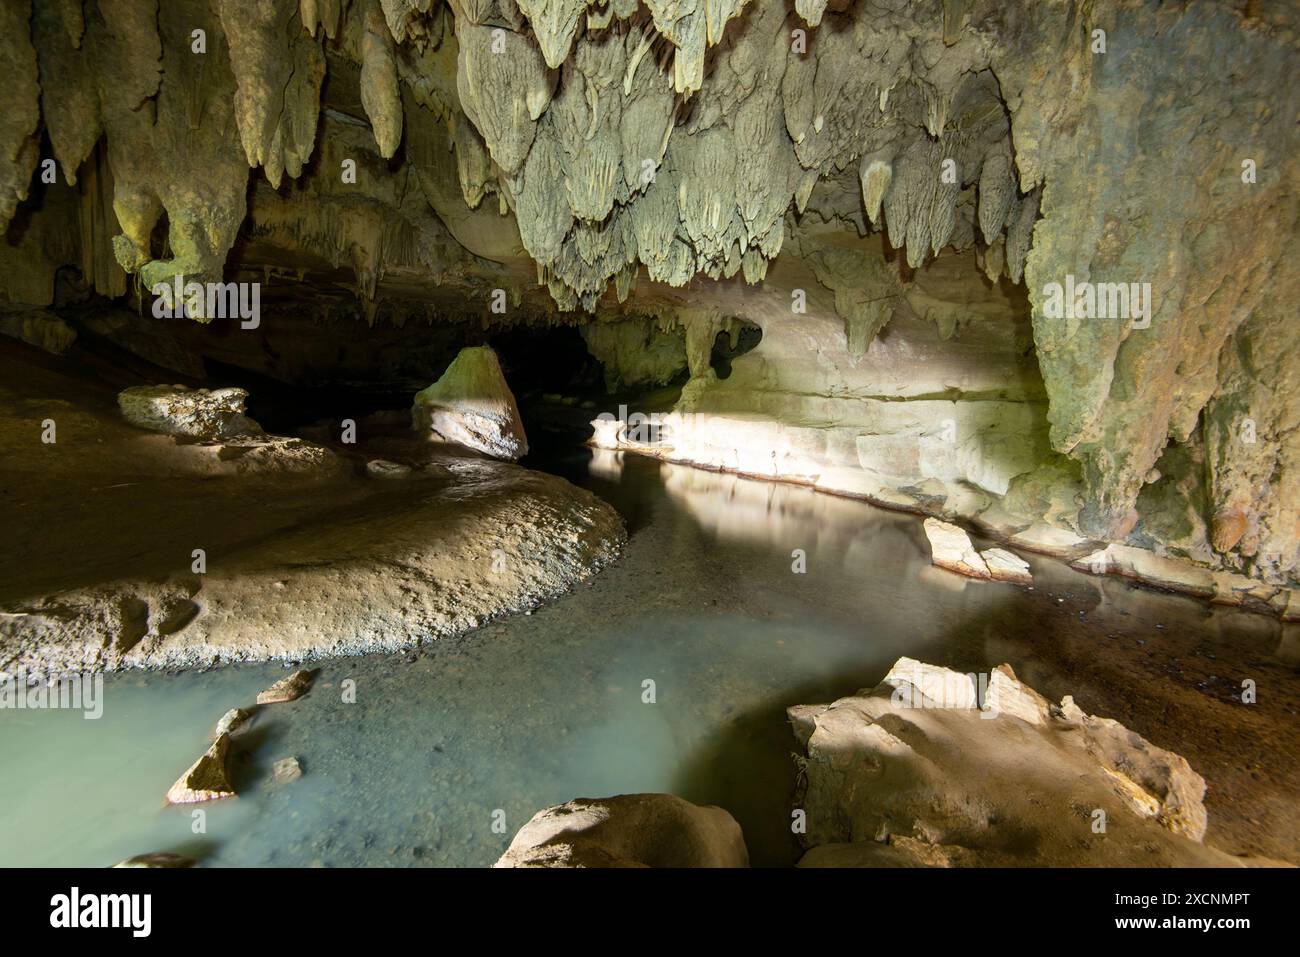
(192, 413)
(936, 768)
(630, 830)
(286, 770)
(951, 548)
(472, 406)
(288, 689)
(1005, 566)
(206, 779)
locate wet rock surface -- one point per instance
(232, 721)
(1005, 566)
(286, 770)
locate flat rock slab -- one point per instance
(630, 830)
(381, 573)
(1137, 563)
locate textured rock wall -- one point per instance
(562, 159)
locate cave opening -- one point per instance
(728, 346)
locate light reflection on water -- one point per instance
(543, 708)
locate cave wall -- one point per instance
(692, 163)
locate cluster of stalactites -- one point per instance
(599, 125)
(611, 162)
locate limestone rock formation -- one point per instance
(629, 830)
(485, 540)
(472, 406)
(935, 768)
(19, 130)
(637, 352)
(1140, 564)
(320, 562)
(288, 689)
(207, 778)
(1005, 566)
(951, 548)
(192, 413)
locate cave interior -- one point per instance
(735, 351)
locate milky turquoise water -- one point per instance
(446, 752)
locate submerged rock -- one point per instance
(192, 413)
(629, 830)
(286, 770)
(288, 689)
(951, 548)
(206, 779)
(472, 406)
(919, 771)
